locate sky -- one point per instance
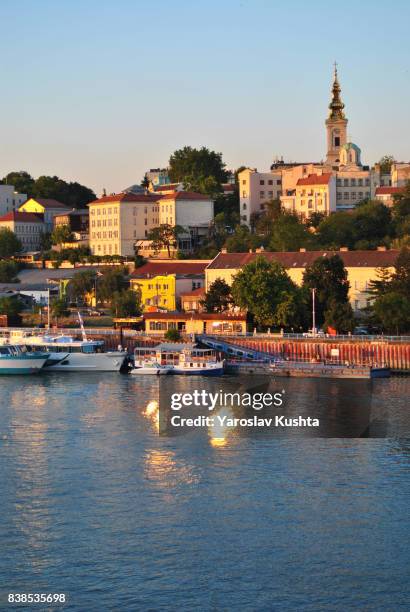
(100, 91)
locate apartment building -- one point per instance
(10, 199)
(28, 228)
(47, 207)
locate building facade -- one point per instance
(10, 199)
(361, 266)
(28, 227)
(44, 206)
(314, 194)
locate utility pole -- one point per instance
(313, 312)
(48, 309)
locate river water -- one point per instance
(96, 505)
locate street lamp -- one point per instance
(313, 312)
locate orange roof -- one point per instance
(178, 267)
(128, 197)
(22, 217)
(166, 187)
(195, 293)
(301, 259)
(315, 179)
(389, 190)
(185, 195)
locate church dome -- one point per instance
(350, 153)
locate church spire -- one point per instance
(336, 106)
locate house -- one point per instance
(158, 323)
(191, 301)
(28, 228)
(47, 207)
(76, 220)
(314, 194)
(162, 282)
(361, 267)
(386, 194)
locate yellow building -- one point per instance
(47, 207)
(162, 282)
(158, 291)
(158, 323)
(361, 267)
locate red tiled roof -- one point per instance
(185, 316)
(185, 195)
(128, 197)
(389, 190)
(22, 217)
(48, 203)
(315, 179)
(180, 268)
(195, 293)
(359, 259)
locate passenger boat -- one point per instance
(68, 354)
(151, 368)
(180, 359)
(15, 360)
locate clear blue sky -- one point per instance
(99, 91)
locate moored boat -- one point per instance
(15, 360)
(179, 358)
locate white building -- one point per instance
(28, 228)
(10, 199)
(313, 194)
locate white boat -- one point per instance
(180, 358)
(15, 360)
(151, 368)
(68, 354)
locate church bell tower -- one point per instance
(336, 125)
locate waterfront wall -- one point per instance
(380, 352)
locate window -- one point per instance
(337, 141)
(360, 194)
(367, 182)
(345, 182)
(244, 194)
(261, 182)
(310, 204)
(339, 181)
(262, 194)
(339, 195)
(279, 182)
(353, 182)
(353, 195)
(243, 182)
(346, 195)
(270, 194)
(244, 206)
(270, 182)
(360, 182)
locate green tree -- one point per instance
(372, 222)
(9, 243)
(172, 335)
(339, 317)
(22, 182)
(11, 307)
(58, 308)
(145, 182)
(289, 234)
(401, 212)
(218, 298)
(262, 288)
(112, 281)
(199, 169)
(61, 234)
(386, 163)
(126, 303)
(165, 236)
(242, 240)
(392, 311)
(81, 284)
(328, 276)
(337, 230)
(8, 271)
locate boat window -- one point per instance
(4, 350)
(88, 348)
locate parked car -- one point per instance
(92, 312)
(360, 331)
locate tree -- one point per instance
(340, 317)
(22, 182)
(145, 182)
(112, 281)
(328, 276)
(386, 163)
(372, 222)
(265, 221)
(8, 271)
(262, 288)
(199, 169)
(61, 234)
(59, 308)
(172, 335)
(401, 212)
(81, 284)
(126, 303)
(242, 240)
(45, 241)
(11, 307)
(218, 298)
(9, 243)
(165, 237)
(289, 234)
(337, 230)
(392, 311)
